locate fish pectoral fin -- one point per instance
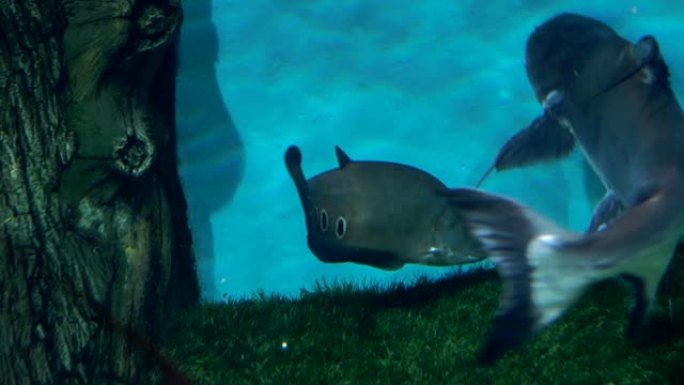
(545, 139)
(609, 208)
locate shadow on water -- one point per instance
(210, 150)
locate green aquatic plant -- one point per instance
(425, 332)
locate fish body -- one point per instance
(381, 214)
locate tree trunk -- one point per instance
(92, 217)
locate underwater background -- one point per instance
(437, 84)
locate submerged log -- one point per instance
(93, 227)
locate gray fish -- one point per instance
(546, 139)
(615, 99)
(380, 214)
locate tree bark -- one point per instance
(93, 228)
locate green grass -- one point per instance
(426, 333)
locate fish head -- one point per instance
(573, 54)
(338, 209)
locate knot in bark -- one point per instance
(133, 155)
(156, 25)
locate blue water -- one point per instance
(438, 84)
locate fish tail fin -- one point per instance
(539, 281)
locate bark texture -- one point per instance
(93, 229)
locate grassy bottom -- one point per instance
(425, 333)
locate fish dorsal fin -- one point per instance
(342, 158)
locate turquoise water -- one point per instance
(438, 84)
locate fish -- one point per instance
(614, 97)
(545, 139)
(380, 214)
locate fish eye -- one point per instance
(552, 99)
(324, 220)
(340, 227)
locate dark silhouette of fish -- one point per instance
(614, 100)
(380, 214)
